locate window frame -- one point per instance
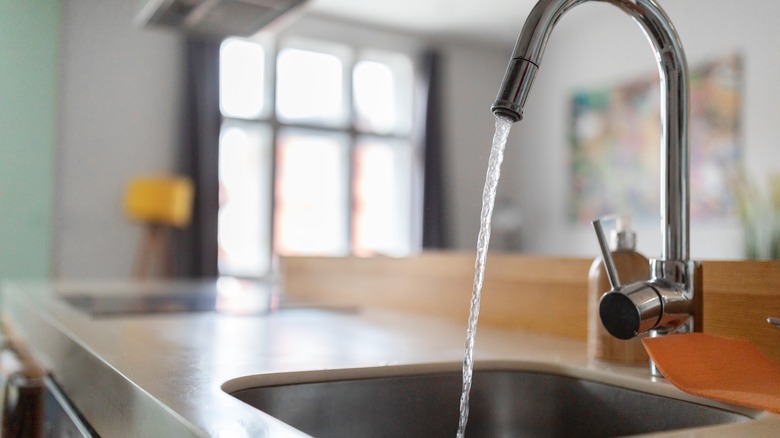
(349, 54)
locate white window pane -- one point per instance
(383, 197)
(311, 212)
(310, 88)
(382, 93)
(242, 78)
(244, 231)
(375, 107)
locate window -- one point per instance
(316, 154)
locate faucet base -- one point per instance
(688, 327)
(681, 296)
(669, 302)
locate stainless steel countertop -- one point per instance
(162, 374)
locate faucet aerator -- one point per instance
(509, 112)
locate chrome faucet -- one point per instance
(670, 300)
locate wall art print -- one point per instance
(615, 137)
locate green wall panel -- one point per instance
(29, 59)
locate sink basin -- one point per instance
(505, 402)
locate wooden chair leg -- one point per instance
(153, 245)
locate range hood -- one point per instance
(214, 17)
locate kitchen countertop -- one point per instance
(161, 374)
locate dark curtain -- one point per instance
(434, 233)
(196, 247)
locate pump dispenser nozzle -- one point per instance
(623, 237)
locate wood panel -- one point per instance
(546, 294)
(738, 297)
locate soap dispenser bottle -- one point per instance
(631, 266)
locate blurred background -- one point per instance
(355, 128)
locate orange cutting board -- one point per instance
(728, 370)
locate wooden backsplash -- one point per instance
(546, 294)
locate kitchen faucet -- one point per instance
(670, 300)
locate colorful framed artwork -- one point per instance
(615, 136)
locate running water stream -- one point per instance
(503, 126)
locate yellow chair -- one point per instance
(160, 203)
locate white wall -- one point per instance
(471, 75)
(596, 44)
(120, 100)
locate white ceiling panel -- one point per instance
(491, 20)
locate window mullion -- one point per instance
(273, 50)
(350, 186)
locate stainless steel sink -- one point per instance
(504, 403)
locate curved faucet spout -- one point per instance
(673, 70)
(674, 276)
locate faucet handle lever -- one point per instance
(606, 254)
